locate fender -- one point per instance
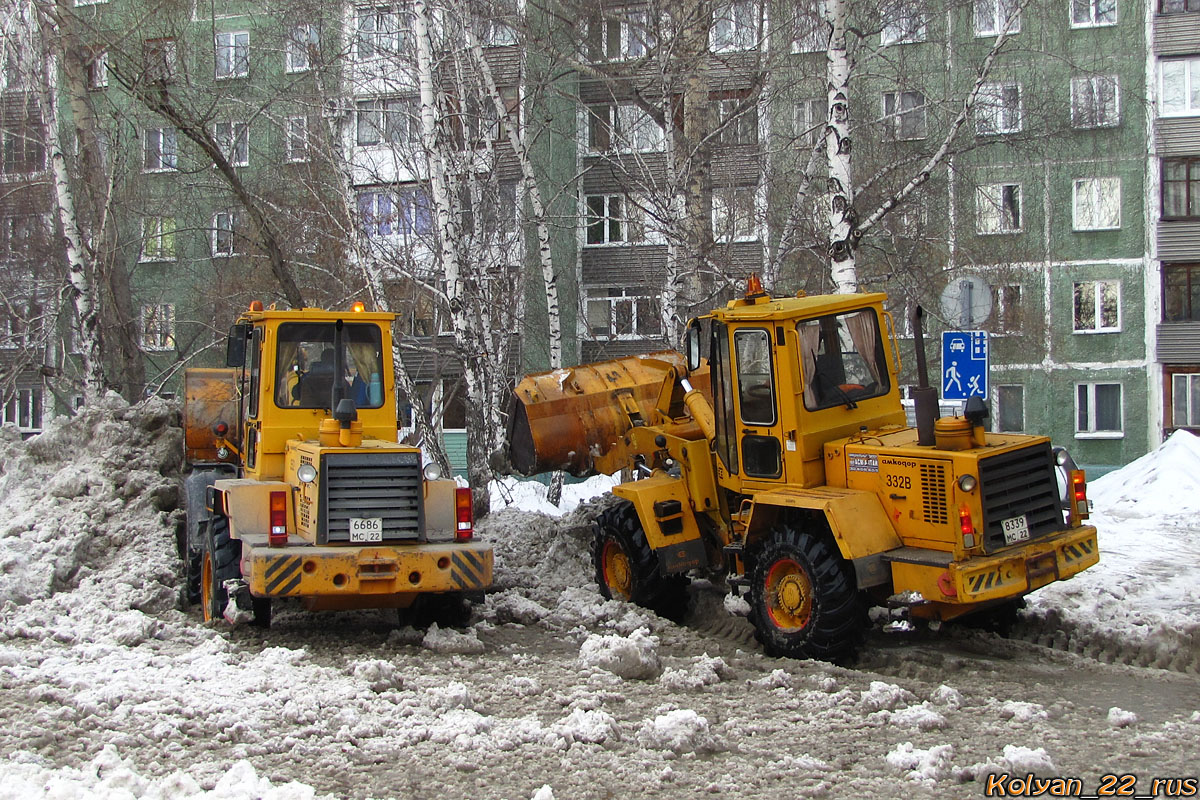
(856, 519)
(668, 520)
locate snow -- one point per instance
(109, 690)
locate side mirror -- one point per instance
(235, 347)
(691, 341)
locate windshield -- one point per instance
(843, 359)
(305, 365)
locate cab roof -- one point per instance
(762, 307)
(317, 315)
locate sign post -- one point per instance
(964, 364)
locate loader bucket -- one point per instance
(575, 419)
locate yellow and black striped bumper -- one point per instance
(308, 571)
(1022, 570)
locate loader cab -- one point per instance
(297, 368)
(789, 375)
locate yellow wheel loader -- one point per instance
(784, 462)
(299, 488)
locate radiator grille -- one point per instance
(1016, 483)
(384, 485)
(933, 493)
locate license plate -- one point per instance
(1016, 529)
(364, 530)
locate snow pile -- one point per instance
(922, 717)
(1017, 760)
(704, 671)
(884, 695)
(530, 495)
(631, 657)
(1137, 601)
(448, 640)
(1164, 482)
(110, 776)
(1021, 711)
(679, 731)
(922, 766)
(588, 726)
(1120, 718)
(89, 519)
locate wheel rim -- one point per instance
(206, 586)
(789, 595)
(618, 576)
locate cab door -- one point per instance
(760, 433)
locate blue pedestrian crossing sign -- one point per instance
(964, 364)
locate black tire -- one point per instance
(999, 619)
(803, 599)
(220, 561)
(627, 569)
(191, 577)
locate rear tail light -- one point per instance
(278, 536)
(464, 515)
(1079, 501)
(967, 526)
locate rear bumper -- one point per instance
(1012, 573)
(378, 570)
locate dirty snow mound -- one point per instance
(447, 640)
(632, 656)
(1164, 482)
(89, 511)
(108, 775)
(679, 731)
(922, 766)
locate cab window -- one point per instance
(843, 359)
(305, 365)
(756, 389)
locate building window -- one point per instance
(158, 238)
(1181, 292)
(619, 38)
(233, 54)
(497, 31)
(18, 232)
(809, 117)
(391, 121)
(382, 32)
(736, 121)
(296, 139)
(1178, 6)
(233, 139)
(158, 326)
(97, 70)
(1097, 204)
(998, 208)
(616, 313)
(1180, 93)
(904, 115)
(1006, 306)
(160, 59)
(998, 109)
(1181, 188)
(23, 149)
(809, 32)
(404, 211)
(904, 23)
(624, 128)
(734, 217)
(303, 45)
(1093, 13)
(612, 219)
(159, 150)
(1098, 409)
(991, 16)
(1185, 400)
(225, 234)
(1095, 102)
(490, 128)
(1097, 306)
(735, 26)
(24, 409)
(1010, 408)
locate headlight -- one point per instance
(307, 473)
(967, 483)
(432, 472)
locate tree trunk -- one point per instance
(80, 274)
(475, 381)
(842, 244)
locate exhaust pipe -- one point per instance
(925, 397)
